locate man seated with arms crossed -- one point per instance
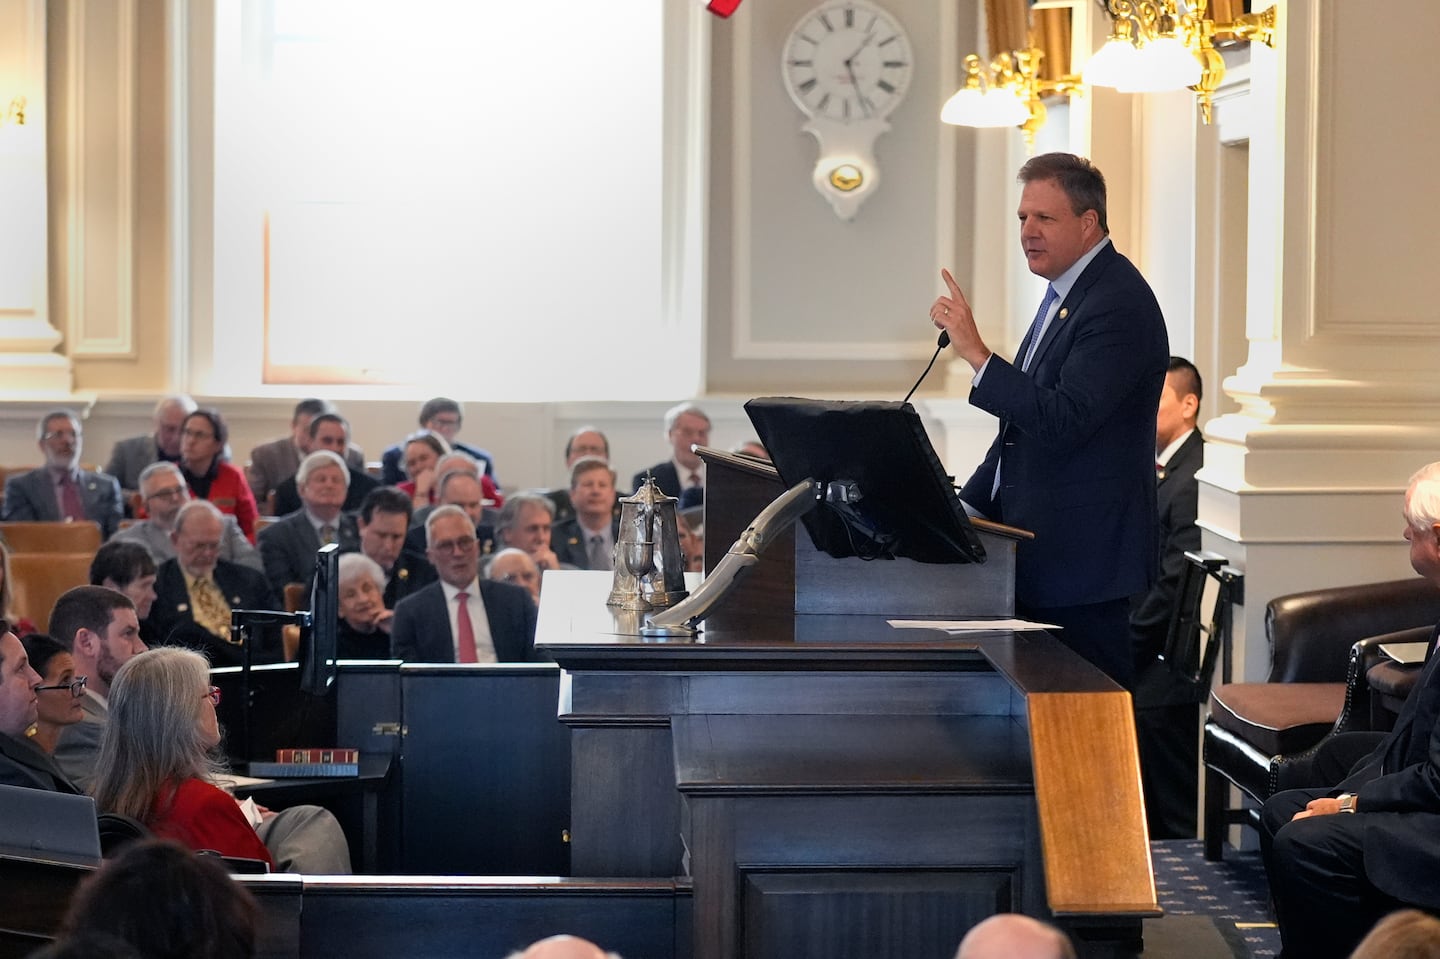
(22, 763)
(588, 540)
(1366, 839)
(196, 591)
(524, 523)
(163, 492)
(99, 627)
(379, 533)
(462, 618)
(328, 431)
(288, 547)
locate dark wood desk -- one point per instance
(328, 791)
(827, 760)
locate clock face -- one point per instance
(847, 60)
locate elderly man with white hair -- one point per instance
(288, 547)
(515, 566)
(130, 456)
(364, 631)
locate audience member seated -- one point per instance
(163, 492)
(165, 902)
(61, 490)
(1404, 934)
(156, 765)
(130, 457)
(443, 417)
(586, 441)
(276, 461)
(690, 525)
(57, 698)
(683, 474)
(422, 452)
(588, 540)
(1010, 935)
(524, 523)
(202, 443)
(22, 762)
(328, 431)
(460, 618)
(129, 568)
(288, 546)
(514, 566)
(364, 620)
(1360, 842)
(1169, 749)
(21, 624)
(379, 533)
(753, 448)
(99, 627)
(563, 947)
(196, 591)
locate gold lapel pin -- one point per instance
(1064, 313)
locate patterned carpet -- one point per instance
(1233, 892)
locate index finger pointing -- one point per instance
(950, 282)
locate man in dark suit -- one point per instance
(1073, 458)
(444, 417)
(683, 474)
(130, 456)
(22, 763)
(60, 489)
(588, 540)
(379, 532)
(288, 547)
(586, 441)
(196, 591)
(1169, 748)
(328, 431)
(462, 618)
(1343, 854)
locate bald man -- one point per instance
(563, 947)
(1013, 936)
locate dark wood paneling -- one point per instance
(860, 914)
(625, 813)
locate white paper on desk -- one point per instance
(228, 781)
(250, 811)
(955, 626)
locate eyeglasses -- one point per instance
(59, 434)
(76, 687)
(213, 694)
(197, 435)
(466, 545)
(170, 493)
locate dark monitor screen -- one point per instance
(319, 643)
(902, 502)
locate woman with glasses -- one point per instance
(209, 476)
(156, 760)
(57, 698)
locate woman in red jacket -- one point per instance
(202, 461)
(154, 763)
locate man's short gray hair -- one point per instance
(441, 511)
(182, 400)
(1422, 506)
(318, 459)
(515, 504)
(156, 468)
(680, 409)
(197, 506)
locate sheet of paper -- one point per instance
(957, 626)
(229, 781)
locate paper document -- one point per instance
(955, 626)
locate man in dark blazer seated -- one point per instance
(379, 531)
(328, 431)
(196, 591)
(22, 763)
(60, 489)
(587, 541)
(683, 474)
(288, 546)
(1365, 839)
(1073, 460)
(461, 618)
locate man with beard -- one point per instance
(61, 490)
(99, 627)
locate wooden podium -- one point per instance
(837, 786)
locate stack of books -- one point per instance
(290, 763)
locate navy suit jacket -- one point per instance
(421, 630)
(665, 477)
(31, 496)
(1078, 436)
(287, 494)
(288, 548)
(243, 588)
(1178, 502)
(567, 541)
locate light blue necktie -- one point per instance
(1037, 328)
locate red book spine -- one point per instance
(317, 755)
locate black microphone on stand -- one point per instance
(940, 344)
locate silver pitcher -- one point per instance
(649, 567)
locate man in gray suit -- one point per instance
(288, 547)
(99, 627)
(61, 490)
(163, 491)
(131, 456)
(274, 462)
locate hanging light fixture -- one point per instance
(1009, 93)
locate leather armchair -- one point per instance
(1316, 686)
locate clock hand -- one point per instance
(850, 69)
